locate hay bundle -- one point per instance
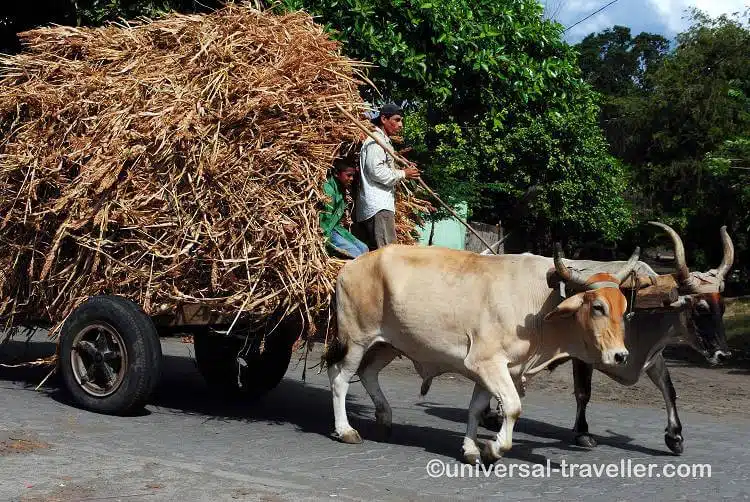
(172, 162)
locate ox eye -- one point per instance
(598, 309)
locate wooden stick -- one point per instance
(497, 244)
(406, 163)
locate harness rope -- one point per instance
(631, 305)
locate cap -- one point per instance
(391, 109)
(388, 110)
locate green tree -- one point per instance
(621, 68)
(700, 110)
(618, 64)
(698, 100)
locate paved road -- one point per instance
(192, 446)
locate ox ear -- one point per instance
(567, 308)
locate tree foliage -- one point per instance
(685, 137)
(618, 64)
(621, 67)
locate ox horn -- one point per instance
(568, 275)
(629, 266)
(679, 251)
(728, 259)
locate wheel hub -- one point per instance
(99, 359)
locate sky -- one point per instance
(665, 17)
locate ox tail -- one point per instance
(336, 349)
(426, 383)
(335, 352)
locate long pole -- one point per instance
(406, 163)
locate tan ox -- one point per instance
(492, 319)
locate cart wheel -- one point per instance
(110, 355)
(216, 358)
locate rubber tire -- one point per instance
(141, 343)
(216, 357)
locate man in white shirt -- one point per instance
(376, 200)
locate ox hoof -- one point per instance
(473, 458)
(489, 455)
(350, 437)
(585, 440)
(674, 443)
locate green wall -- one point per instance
(448, 233)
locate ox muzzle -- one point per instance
(615, 357)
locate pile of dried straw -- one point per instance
(171, 162)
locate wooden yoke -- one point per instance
(651, 292)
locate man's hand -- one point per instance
(411, 173)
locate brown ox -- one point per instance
(492, 319)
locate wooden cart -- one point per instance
(109, 353)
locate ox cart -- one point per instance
(141, 196)
(109, 355)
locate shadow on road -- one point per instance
(563, 438)
(15, 352)
(307, 407)
(183, 391)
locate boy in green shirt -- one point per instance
(339, 239)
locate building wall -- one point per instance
(448, 232)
